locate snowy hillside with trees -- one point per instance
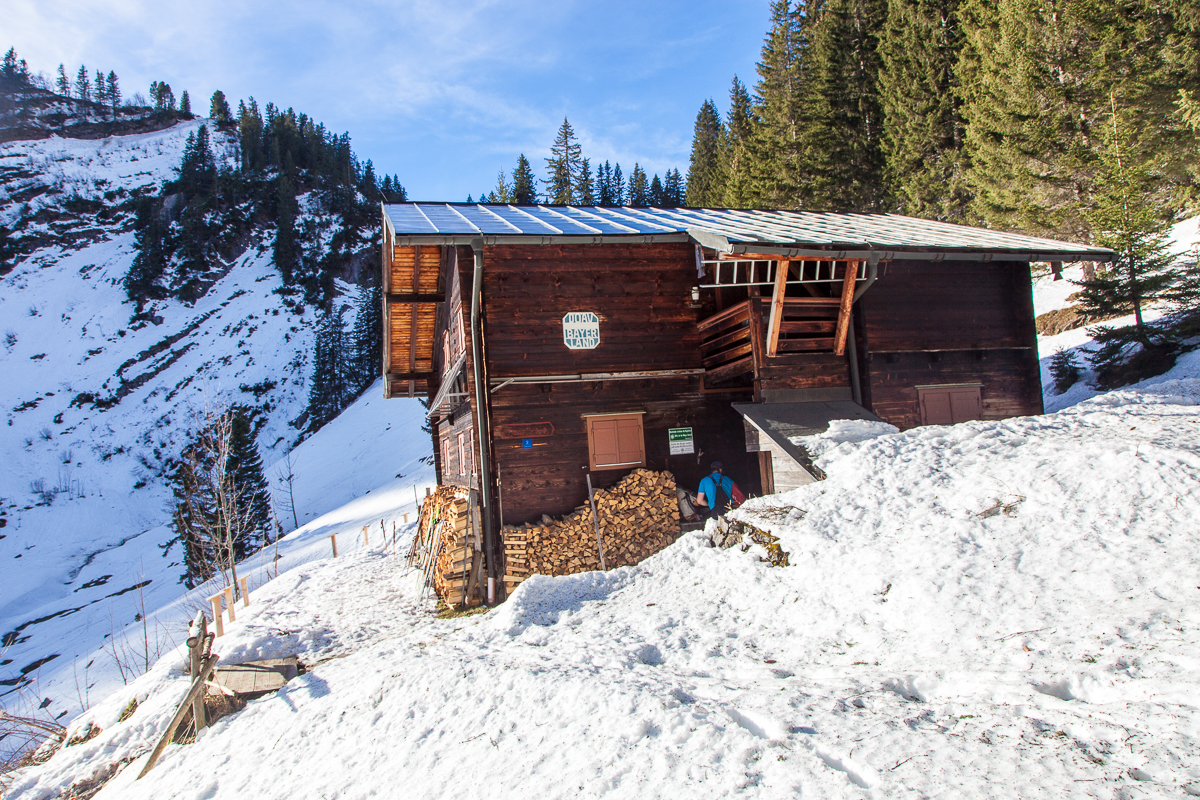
(108, 379)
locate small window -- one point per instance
(462, 455)
(445, 456)
(947, 405)
(615, 441)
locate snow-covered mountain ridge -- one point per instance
(95, 405)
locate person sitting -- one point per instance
(715, 494)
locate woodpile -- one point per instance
(449, 546)
(639, 516)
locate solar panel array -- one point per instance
(800, 228)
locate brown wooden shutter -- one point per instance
(616, 441)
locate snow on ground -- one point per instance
(82, 487)
(992, 609)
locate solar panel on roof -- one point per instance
(739, 226)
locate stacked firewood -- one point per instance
(638, 517)
(448, 547)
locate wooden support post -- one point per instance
(366, 537)
(218, 618)
(333, 540)
(229, 603)
(196, 691)
(776, 319)
(843, 325)
(405, 519)
(245, 592)
(197, 636)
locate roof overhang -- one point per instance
(781, 422)
(731, 233)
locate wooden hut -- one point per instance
(556, 343)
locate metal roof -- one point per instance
(785, 233)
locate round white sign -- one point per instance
(581, 330)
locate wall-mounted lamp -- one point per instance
(695, 294)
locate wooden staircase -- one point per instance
(734, 341)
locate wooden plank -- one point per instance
(808, 326)
(843, 326)
(257, 677)
(721, 316)
(726, 355)
(717, 342)
(395, 297)
(781, 273)
(805, 345)
(730, 370)
(812, 301)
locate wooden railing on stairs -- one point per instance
(732, 342)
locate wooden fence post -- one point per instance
(229, 603)
(218, 620)
(333, 539)
(366, 537)
(245, 592)
(197, 636)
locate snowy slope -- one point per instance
(1049, 295)
(993, 609)
(81, 485)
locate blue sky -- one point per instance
(443, 94)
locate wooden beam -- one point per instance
(781, 274)
(767, 257)
(415, 298)
(843, 326)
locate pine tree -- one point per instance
(218, 108)
(250, 484)
(639, 188)
(367, 335)
(503, 191)
(656, 193)
(1127, 219)
(143, 281)
(100, 95)
(674, 190)
(776, 158)
(923, 127)
(83, 85)
(585, 193)
(1064, 370)
(705, 181)
(14, 67)
(1036, 80)
(604, 192)
(329, 392)
(287, 249)
(617, 181)
(524, 184)
(185, 104)
(564, 166)
(737, 156)
(198, 168)
(114, 92)
(62, 83)
(843, 157)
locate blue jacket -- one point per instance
(708, 487)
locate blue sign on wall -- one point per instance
(527, 444)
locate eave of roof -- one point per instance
(795, 234)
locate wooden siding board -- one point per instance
(1011, 382)
(950, 305)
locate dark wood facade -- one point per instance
(679, 355)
